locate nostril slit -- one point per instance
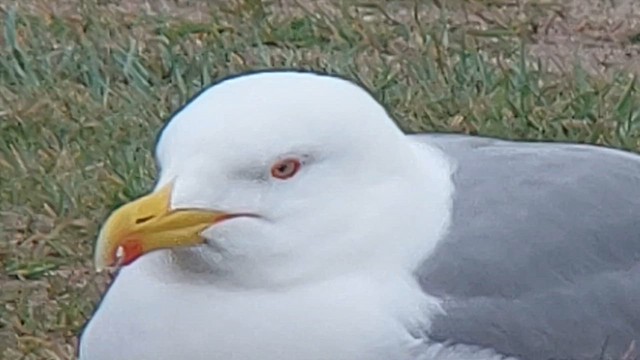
(144, 219)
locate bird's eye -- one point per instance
(285, 168)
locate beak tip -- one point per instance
(101, 260)
(100, 265)
(104, 255)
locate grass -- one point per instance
(84, 87)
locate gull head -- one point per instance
(281, 177)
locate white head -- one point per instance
(282, 177)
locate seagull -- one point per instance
(292, 219)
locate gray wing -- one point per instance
(543, 257)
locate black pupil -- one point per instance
(284, 168)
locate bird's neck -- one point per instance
(194, 266)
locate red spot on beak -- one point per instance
(131, 250)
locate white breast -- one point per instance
(352, 318)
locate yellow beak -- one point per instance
(148, 224)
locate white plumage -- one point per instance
(325, 272)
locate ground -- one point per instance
(85, 85)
